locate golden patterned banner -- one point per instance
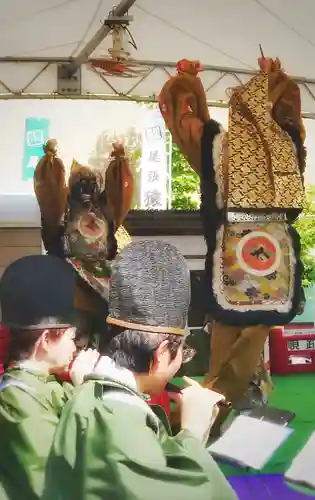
(263, 171)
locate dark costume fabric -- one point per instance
(81, 222)
(109, 443)
(35, 292)
(251, 181)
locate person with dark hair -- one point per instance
(109, 442)
(37, 305)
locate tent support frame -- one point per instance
(117, 13)
(41, 64)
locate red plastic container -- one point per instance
(4, 345)
(292, 349)
(162, 400)
(65, 376)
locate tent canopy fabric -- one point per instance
(224, 35)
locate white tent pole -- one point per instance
(307, 83)
(111, 97)
(153, 64)
(118, 11)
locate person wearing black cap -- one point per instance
(37, 305)
(109, 442)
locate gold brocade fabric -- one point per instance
(123, 238)
(263, 171)
(97, 274)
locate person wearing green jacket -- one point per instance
(36, 295)
(109, 443)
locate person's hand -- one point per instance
(83, 365)
(198, 409)
(176, 399)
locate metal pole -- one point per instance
(109, 97)
(119, 11)
(154, 64)
(25, 60)
(170, 142)
(220, 69)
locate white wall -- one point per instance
(76, 125)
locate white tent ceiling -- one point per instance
(224, 35)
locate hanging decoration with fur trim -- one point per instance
(252, 188)
(81, 218)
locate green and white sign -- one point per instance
(36, 134)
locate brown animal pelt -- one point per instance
(183, 104)
(50, 186)
(119, 185)
(285, 97)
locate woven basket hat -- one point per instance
(150, 288)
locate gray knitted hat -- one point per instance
(150, 288)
